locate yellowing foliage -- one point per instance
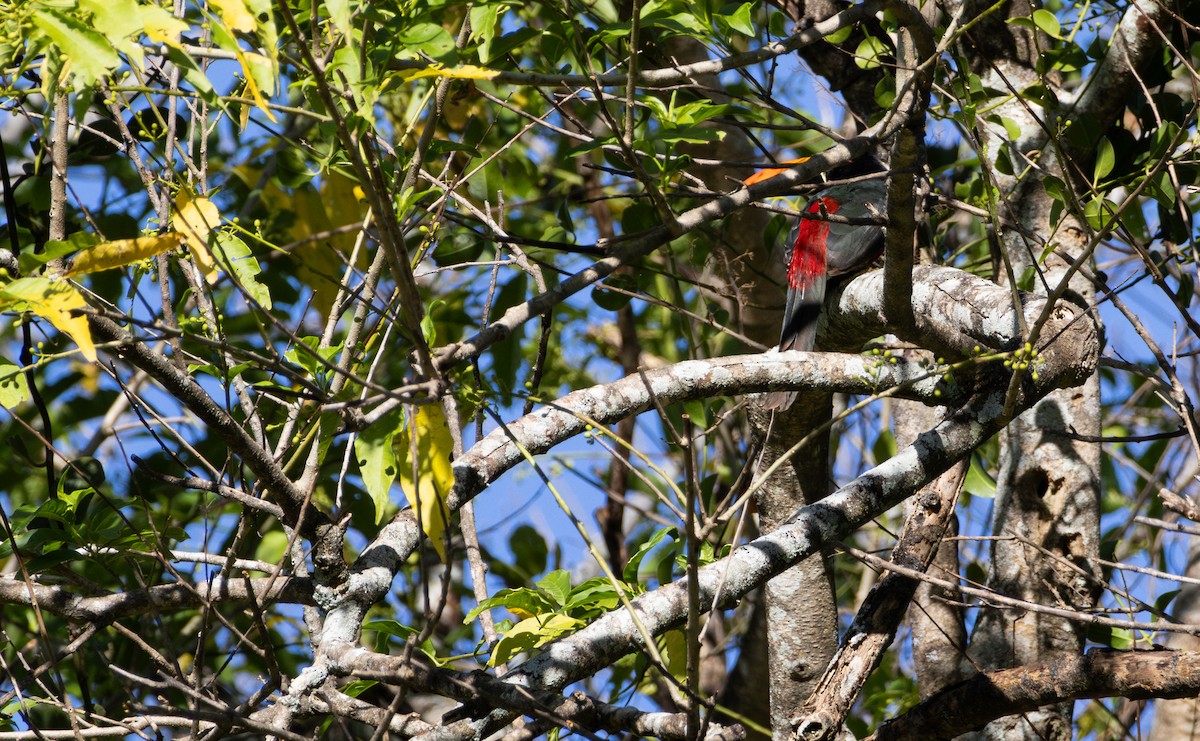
(195, 218)
(434, 476)
(52, 300)
(464, 72)
(121, 252)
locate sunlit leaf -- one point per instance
(1105, 159)
(121, 252)
(14, 389)
(464, 72)
(161, 26)
(235, 14)
(90, 54)
(434, 478)
(870, 53)
(532, 633)
(557, 584)
(1047, 22)
(373, 449)
(196, 218)
(272, 547)
(53, 300)
(236, 256)
(979, 482)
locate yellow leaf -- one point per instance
(427, 494)
(195, 218)
(252, 64)
(465, 72)
(235, 14)
(121, 252)
(336, 206)
(52, 300)
(160, 26)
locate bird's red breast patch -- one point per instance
(808, 254)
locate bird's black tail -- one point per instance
(800, 318)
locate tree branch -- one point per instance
(1101, 672)
(161, 598)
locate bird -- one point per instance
(824, 252)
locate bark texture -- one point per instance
(1023, 690)
(801, 604)
(1046, 511)
(939, 633)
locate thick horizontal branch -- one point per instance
(965, 314)
(1101, 672)
(961, 315)
(607, 403)
(162, 598)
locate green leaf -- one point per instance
(91, 55)
(529, 550)
(1106, 158)
(1161, 189)
(885, 91)
(426, 38)
(30, 261)
(594, 595)
(484, 17)
(1047, 22)
(740, 20)
(1025, 281)
(339, 13)
(1011, 127)
(377, 459)
(356, 688)
(1004, 161)
(386, 627)
(884, 447)
(979, 483)
(272, 547)
(614, 300)
(630, 572)
(427, 326)
(557, 584)
(195, 76)
(522, 602)
(1055, 188)
(1099, 211)
(777, 24)
(234, 255)
(14, 388)
(840, 35)
(1165, 599)
(494, 49)
(673, 647)
(870, 53)
(531, 633)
